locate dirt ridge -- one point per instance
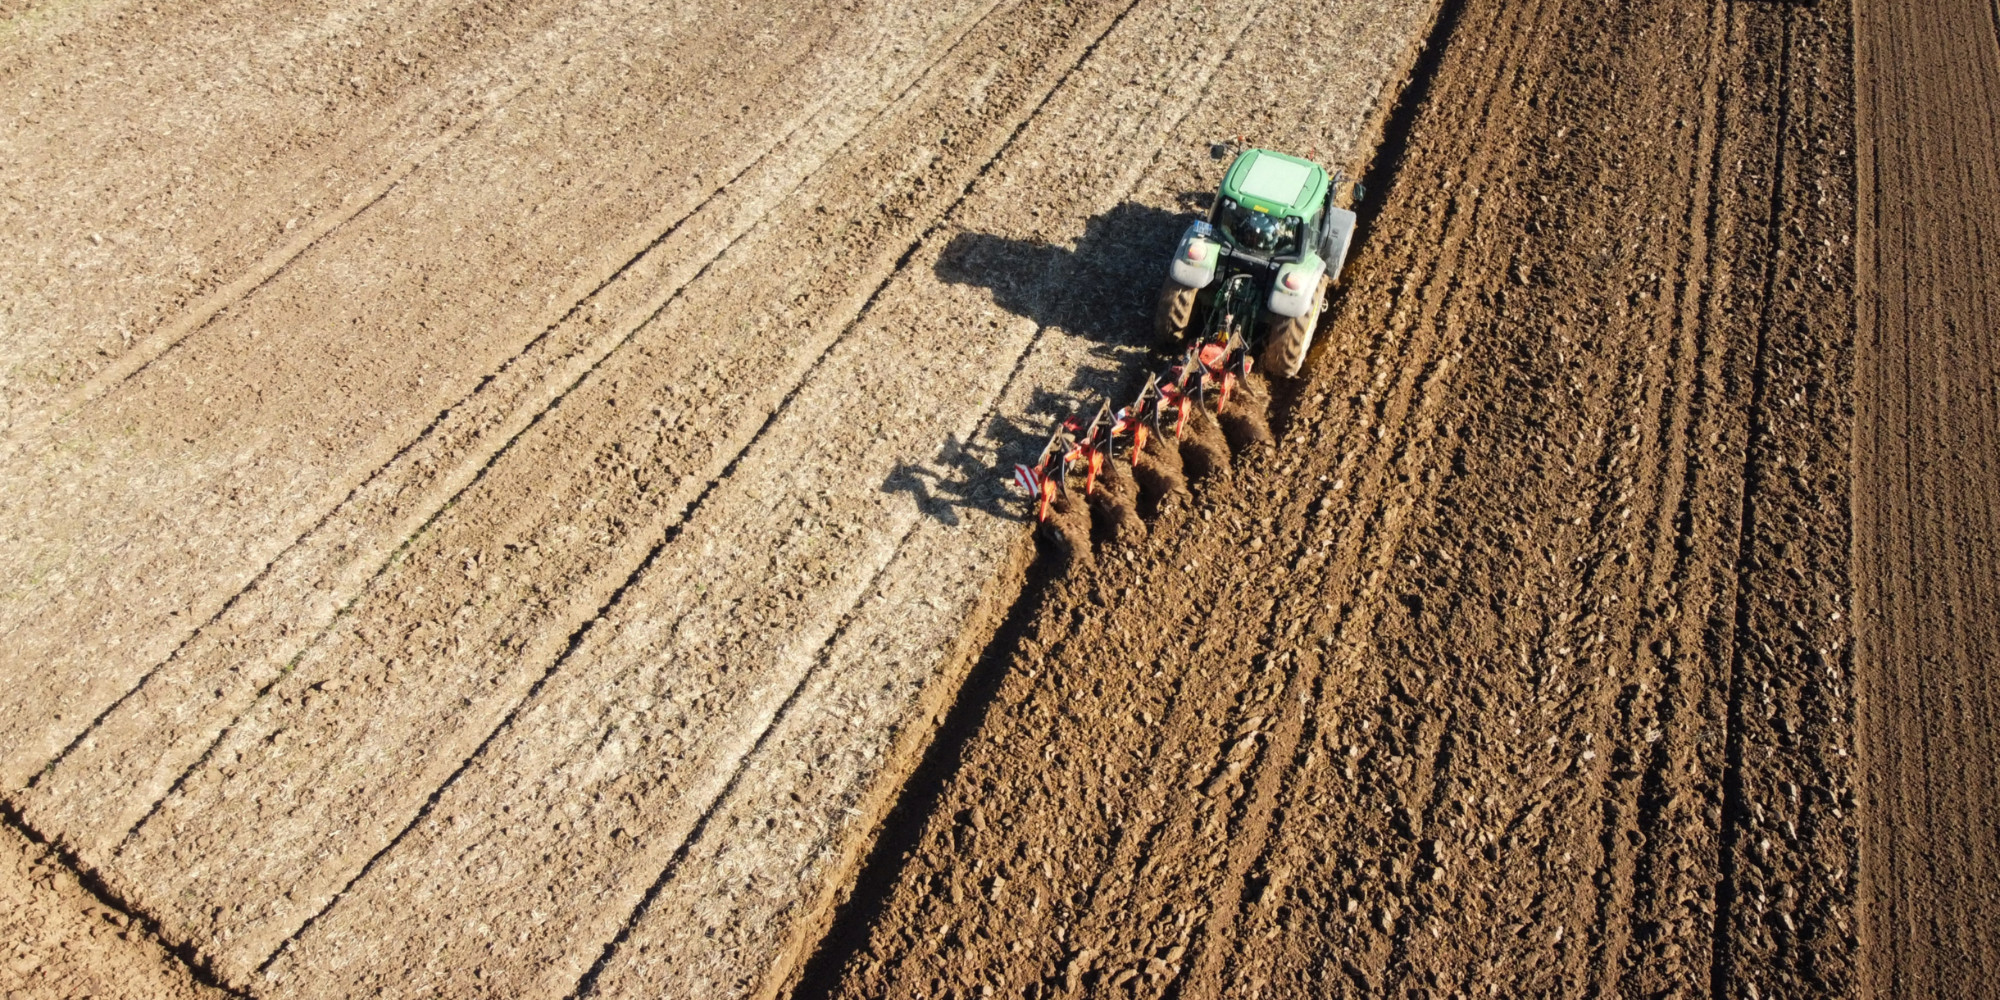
(1579, 489)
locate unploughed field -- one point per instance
(512, 502)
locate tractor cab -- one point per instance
(1271, 206)
(1259, 267)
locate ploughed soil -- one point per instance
(1521, 664)
(57, 940)
(506, 501)
(1927, 496)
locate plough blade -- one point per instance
(1208, 372)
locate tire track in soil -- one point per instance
(131, 363)
(1414, 671)
(1620, 71)
(1786, 904)
(1662, 798)
(585, 683)
(1633, 798)
(247, 184)
(305, 665)
(1736, 676)
(771, 419)
(1381, 510)
(214, 470)
(361, 540)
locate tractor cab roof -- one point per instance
(1275, 184)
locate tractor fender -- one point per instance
(1296, 287)
(1335, 235)
(1194, 259)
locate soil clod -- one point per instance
(1114, 507)
(1204, 450)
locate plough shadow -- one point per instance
(978, 475)
(1101, 290)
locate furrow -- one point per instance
(190, 192)
(131, 363)
(1670, 787)
(1722, 975)
(289, 607)
(601, 414)
(236, 443)
(602, 687)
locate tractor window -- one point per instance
(1288, 238)
(1228, 217)
(1257, 232)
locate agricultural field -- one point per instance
(513, 501)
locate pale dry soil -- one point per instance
(495, 501)
(62, 942)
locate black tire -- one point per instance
(1173, 313)
(1286, 340)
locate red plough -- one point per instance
(1209, 372)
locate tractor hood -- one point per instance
(1275, 184)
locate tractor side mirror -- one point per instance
(1360, 192)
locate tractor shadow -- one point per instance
(1101, 290)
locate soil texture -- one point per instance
(541, 501)
(511, 500)
(1519, 665)
(63, 942)
(1927, 495)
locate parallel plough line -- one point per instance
(670, 530)
(475, 466)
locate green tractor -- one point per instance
(1257, 270)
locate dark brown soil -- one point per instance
(1521, 667)
(1114, 507)
(1205, 450)
(1246, 424)
(1927, 496)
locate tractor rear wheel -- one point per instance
(1173, 313)
(1287, 339)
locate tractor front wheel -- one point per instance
(1173, 313)
(1286, 340)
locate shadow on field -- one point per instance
(979, 475)
(1101, 290)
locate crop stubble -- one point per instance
(161, 162)
(1522, 667)
(238, 442)
(703, 383)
